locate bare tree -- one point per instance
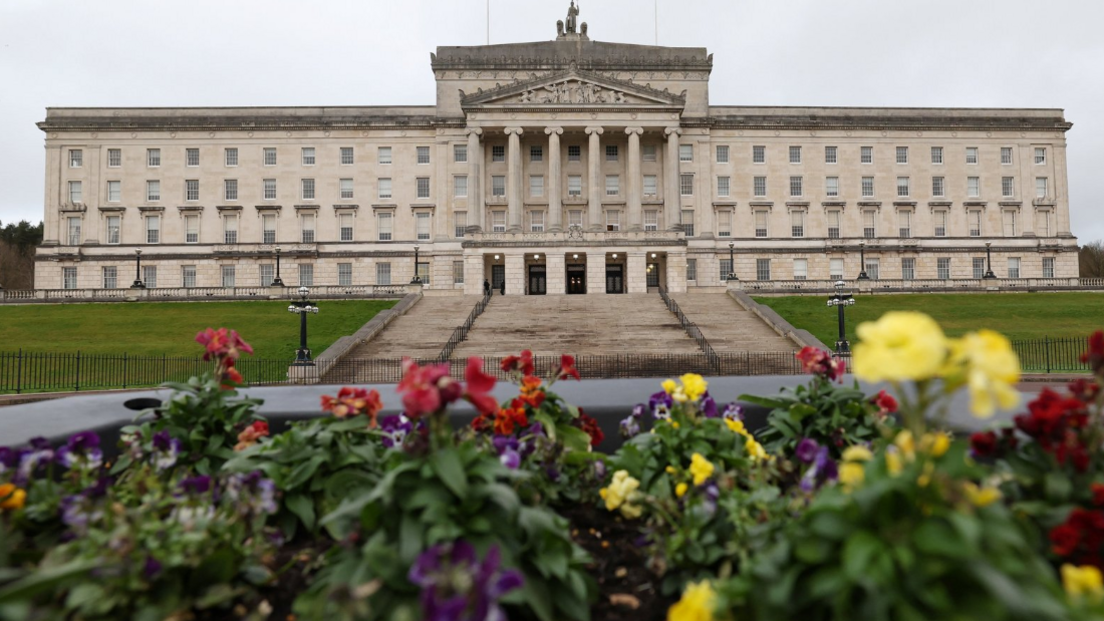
(1091, 258)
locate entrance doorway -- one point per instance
(653, 274)
(615, 278)
(537, 280)
(576, 279)
(498, 276)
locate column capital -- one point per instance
(553, 130)
(478, 131)
(672, 130)
(595, 130)
(634, 130)
(513, 130)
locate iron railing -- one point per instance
(460, 334)
(1045, 355)
(690, 327)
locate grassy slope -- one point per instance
(1017, 315)
(170, 327)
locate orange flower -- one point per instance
(508, 418)
(353, 402)
(531, 391)
(11, 497)
(251, 435)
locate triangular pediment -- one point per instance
(572, 88)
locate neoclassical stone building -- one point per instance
(566, 166)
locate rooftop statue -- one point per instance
(572, 18)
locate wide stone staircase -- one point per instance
(728, 327)
(422, 331)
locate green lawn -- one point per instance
(169, 328)
(1018, 316)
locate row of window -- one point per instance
(1010, 225)
(268, 189)
(836, 269)
(307, 157)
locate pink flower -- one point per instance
(429, 389)
(819, 362)
(567, 368)
(222, 343)
(480, 386)
(885, 403)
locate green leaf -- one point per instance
(938, 538)
(303, 472)
(1058, 486)
(44, 580)
(574, 438)
(547, 423)
(447, 465)
(303, 507)
(858, 554)
(538, 598)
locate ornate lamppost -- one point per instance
(303, 307)
(840, 300)
(417, 280)
(276, 282)
(138, 284)
(988, 262)
(862, 261)
(731, 262)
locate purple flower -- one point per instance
(151, 568)
(824, 469)
(81, 451)
(600, 469)
(39, 443)
(510, 458)
(29, 461)
(456, 586)
(165, 450)
(196, 485)
(660, 404)
(80, 510)
(806, 450)
(709, 406)
(709, 498)
(394, 428)
(252, 494)
(733, 412)
(638, 410)
(9, 458)
(630, 427)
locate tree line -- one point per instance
(17, 252)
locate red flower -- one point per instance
(1098, 494)
(590, 426)
(524, 363)
(251, 435)
(819, 362)
(427, 389)
(231, 378)
(1084, 389)
(567, 368)
(984, 443)
(1064, 539)
(885, 402)
(480, 386)
(352, 402)
(222, 343)
(508, 418)
(1094, 356)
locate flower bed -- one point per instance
(843, 506)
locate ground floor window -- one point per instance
(1048, 267)
(908, 269)
(726, 269)
(835, 269)
(306, 275)
(691, 269)
(68, 278)
(872, 269)
(110, 277)
(979, 267)
(458, 272)
(149, 276)
(228, 275)
(762, 269)
(800, 269)
(268, 274)
(188, 276)
(1013, 267)
(344, 274)
(383, 273)
(422, 271)
(943, 268)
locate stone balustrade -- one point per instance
(332, 292)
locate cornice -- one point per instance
(880, 123)
(125, 123)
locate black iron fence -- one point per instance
(460, 334)
(690, 327)
(1046, 355)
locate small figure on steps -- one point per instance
(502, 290)
(486, 287)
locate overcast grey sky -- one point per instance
(961, 53)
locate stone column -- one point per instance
(474, 274)
(596, 272)
(676, 271)
(513, 181)
(636, 276)
(594, 203)
(556, 273)
(555, 203)
(475, 176)
(635, 182)
(515, 274)
(671, 201)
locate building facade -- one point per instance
(566, 166)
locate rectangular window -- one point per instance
(726, 268)
(979, 267)
(973, 187)
(762, 269)
(149, 276)
(536, 153)
(1048, 267)
(758, 154)
(76, 194)
(939, 187)
(228, 276)
(268, 228)
(383, 273)
(230, 230)
(383, 156)
(457, 272)
(422, 187)
(866, 155)
(971, 155)
(1008, 222)
(421, 225)
(345, 188)
(723, 186)
(648, 152)
(835, 269)
(191, 157)
(423, 155)
(307, 228)
(834, 224)
(344, 274)
(113, 224)
(574, 153)
(1041, 187)
(724, 223)
(1006, 155)
(269, 189)
(345, 226)
(460, 186)
(308, 189)
(69, 278)
(937, 155)
(761, 223)
(904, 224)
(1040, 155)
(800, 269)
(191, 229)
(650, 185)
(613, 220)
(536, 221)
(973, 218)
(867, 187)
(611, 153)
(831, 186)
(902, 186)
(76, 159)
(797, 223)
(686, 153)
(830, 155)
(498, 185)
(230, 156)
(1008, 187)
(759, 186)
(114, 191)
(110, 277)
(872, 266)
(687, 221)
(230, 189)
(384, 187)
(795, 155)
(114, 158)
(269, 156)
(796, 186)
(868, 223)
(575, 217)
(347, 158)
(153, 158)
(908, 268)
(191, 190)
(691, 269)
(574, 185)
(498, 221)
(902, 155)
(188, 276)
(153, 229)
(460, 223)
(613, 185)
(460, 153)
(498, 153)
(1013, 267)
(1042, 223)
(306, 275)
(74, 231)
(385, 222)
(722, 154)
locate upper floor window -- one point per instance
(231, 156)
(498, 185)
(460, 153)
(347, 158)
(902, 155)
(686, 185)
(423, 155)
(536, 153)
(1006, 155)
(345, 187)
(308, 156)
(867, 187)
(574, 153)
(76, 158)
(973, 187)
(722, 154)
(191, 190)
(422, 187)
(971, 155)
(384, 187)
(759, 186)
(796, 186)
(758, 154)
(1041, 187)
(153, 229)
(460, 186)
(113, 228)
(498, 153)
(831, 186)
(269, 189)
(723, 186)
(385, 222)
(153, 190)
(795, 155)
(114, 191)
(230, 189)
(650, 185)
(383, 156)
(648, 152)
(866, 155)
(308, 189)
(611, 153)
(830, 155)
(421, 225)
(153, 158)
(1040, 155)
(613, 185)
(270, 156)
(191, 157)
(902, 186)
(937, 155)
(938, 186)
(114, 158)
(686, 153)
(574, 185)
(1008, 187)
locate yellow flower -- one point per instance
(980, 497)
(851, 474)
(902, 345)
(985, 363)
(935, 444)
(693, 385)
(675, 424)
(755, 449)
(696, 603)
(857, 453)
(1079, 582)
(671, 470)
(619, 492)
(893, 462)
(680, 489)
(701, 468)
(906, 443)
(11, 497)
(631, 511)
(736, 426)
(925, 477)
(669, 386)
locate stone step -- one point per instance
(727, 326)
(422, 331)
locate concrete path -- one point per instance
(727, 326)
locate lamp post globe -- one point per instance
(138, 284)
(840, 300)
(303, 307)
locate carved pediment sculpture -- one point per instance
(573, 87)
